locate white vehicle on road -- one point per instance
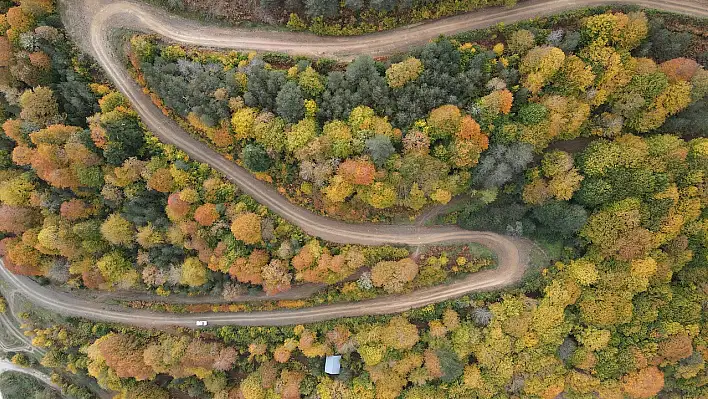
(202, 323)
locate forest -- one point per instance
(109, 207)
(372, 139)
(101, 204)
(581, 132)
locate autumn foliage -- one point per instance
(617, 309)
(206, 214)
(644, 383)
(358, 172)
(123, 354)
(393, 276)
(247, 228)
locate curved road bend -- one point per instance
(121, 14)
(510, 254)
(12, 331)
(103, 19)
(511, 262)
(8, 319)
(6, 365)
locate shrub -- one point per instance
(521, 41)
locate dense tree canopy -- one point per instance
(109, 207)
(449, 102)
(619, 312)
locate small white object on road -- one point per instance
(202, 323)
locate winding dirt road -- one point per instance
(103, 18)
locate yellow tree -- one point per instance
(242, 122)
(37, 8)
(624, 31)
(575, 76)
(380, 195)
(539, 65)
(117, 230)
(397, 75)
(39, 106)
(246, 227)
(400, 334)
(444, 121)
(341, 135)
(394, 275)
(116, 270)
(339, 189)
(193, 272)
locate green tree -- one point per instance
(290, 104)
(15, 385)
(616, 230)
(321, 8)
(125, 138)
(499, 165)
(532, 113)
(521, 41)
(559, 218)
(143, 47)
(380, 149)
(173, 53)
(144, 390)
(383, 5)
(255, 158)
(341, 136)
(450, 365)
(114, 99)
